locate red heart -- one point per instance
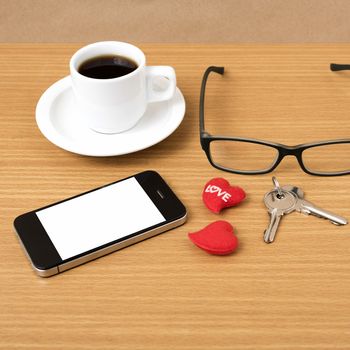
(219, 194)
(217, 238)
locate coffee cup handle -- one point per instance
(160, 82)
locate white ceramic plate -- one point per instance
(58, 120)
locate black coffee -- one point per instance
(107, 67)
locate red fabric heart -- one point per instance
(217, 238)
(219, 194)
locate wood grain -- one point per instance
(165, 293)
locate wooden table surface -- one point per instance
(165, 293)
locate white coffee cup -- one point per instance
(115, 105)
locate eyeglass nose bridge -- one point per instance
(294, 151)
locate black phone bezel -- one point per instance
(43, 253)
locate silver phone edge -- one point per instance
(104, 251)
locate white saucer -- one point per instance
(58, 120)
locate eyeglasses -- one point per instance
(251, 156)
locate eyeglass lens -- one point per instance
(242, 156)
(332, 158)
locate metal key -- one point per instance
(277, 205)
(308, 208)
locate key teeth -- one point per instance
(344, 222)
(266, 239)
(305, 211)
(323, 214)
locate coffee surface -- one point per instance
(107, 67)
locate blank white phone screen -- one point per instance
(99, 217)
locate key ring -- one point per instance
(277, 187)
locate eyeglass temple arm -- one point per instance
(219, 70)
(336, 67)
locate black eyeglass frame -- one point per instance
(283, 150)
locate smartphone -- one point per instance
(76, 230)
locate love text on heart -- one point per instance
(219, 192)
